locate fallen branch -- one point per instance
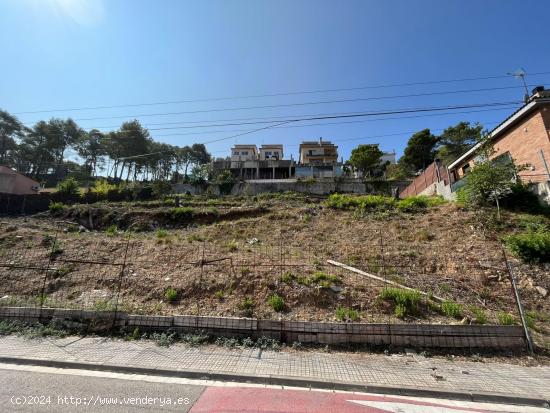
(375, 277)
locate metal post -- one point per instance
(47, 270)
(200, 278)
(119, 286)
(544, 163)
(518, 302)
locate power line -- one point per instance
(501, 105)
(340, 123)
(294, 104)
(361, 115)
(274, 94)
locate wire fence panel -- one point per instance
(133, 275)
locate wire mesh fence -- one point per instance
(373, 282)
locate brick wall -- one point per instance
(426, 180)
(419, 335)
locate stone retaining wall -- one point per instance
(413, 335)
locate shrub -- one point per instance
(287, 277)
(530, 318)
(69, 187)
(111, 230)
(181, 213)
(531, 246)
(319, 276)
(247, 306)
(533, 223)
(56, 247)
(219, 295)
(406, 300)
(506, 319)
(162, 233)
(195, 237)
(56, 207)
(400, 311)
(276, 302)
(413, 204)
(345, 314)
(451, 309)
(164, 339)
(369, 203)
(101, 188)
(521, 198)
(377, 202)
(479, 315)
(171, 294)
(232, 246)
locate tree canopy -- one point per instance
(419, 152)
(366, 158)
(455, 140)
(128, 153)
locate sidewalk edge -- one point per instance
(287, 381)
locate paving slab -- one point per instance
(406, 372)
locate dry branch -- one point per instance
(375, 277)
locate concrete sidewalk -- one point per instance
(396, 374)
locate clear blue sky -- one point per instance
(82, 53)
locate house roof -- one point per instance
(244, 146)
(505, 124)
(271, 146)
(317, 143)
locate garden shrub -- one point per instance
(531, 246)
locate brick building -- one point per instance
(524, 137)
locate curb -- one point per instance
(288, 381)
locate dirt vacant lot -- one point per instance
(267, 257)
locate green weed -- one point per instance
(276, 302)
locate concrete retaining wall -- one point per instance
(413, 335)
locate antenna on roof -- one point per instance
(520, 74)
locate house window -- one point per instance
(236, 153)
(268, 154)
(503, 159)
(465, 169)
(244, 153)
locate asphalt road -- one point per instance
(24, 391)
(47, 389)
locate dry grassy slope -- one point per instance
(445, 250)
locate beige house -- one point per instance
(15, 183)
(318, 152)
(240, 153)
(271, 152)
